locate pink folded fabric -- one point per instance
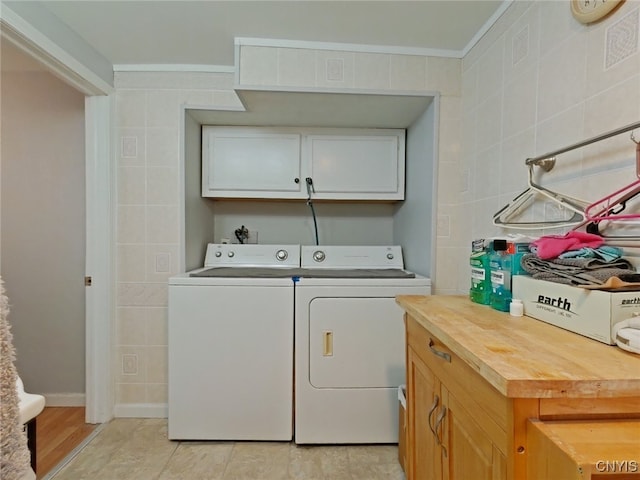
(551, 246)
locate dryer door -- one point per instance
(356, 342)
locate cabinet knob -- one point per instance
(297, 180)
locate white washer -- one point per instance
(349, 343)
(231, 345)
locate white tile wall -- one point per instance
(131, 224)
(443, 75)
(371, 71)
(491, 73)
(297, 67)
(562, 80)
(162, 146)
(148, 112)
(131, 185)
(124, 154)
(560, 92)
(519, 107)
(407, 72)
(259, 65)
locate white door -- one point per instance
(356, 343)
(357, 166)
(250, 162)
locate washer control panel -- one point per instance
(251, 255)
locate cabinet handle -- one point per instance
(431, 410)
(439, 420)
(296, 180)
(437, 352)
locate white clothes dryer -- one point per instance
(231, 345)
(350, 343)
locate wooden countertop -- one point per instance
(523, 357)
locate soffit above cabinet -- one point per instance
(319, 109)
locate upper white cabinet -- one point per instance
(250, 163)
(344, 164)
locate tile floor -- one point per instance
(128, 449)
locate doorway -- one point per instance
(98, 237)
(42, 247)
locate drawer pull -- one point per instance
(439, 420)
(437, 352)
(431, 410)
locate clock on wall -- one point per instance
(589, 11)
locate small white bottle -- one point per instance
(516, 308)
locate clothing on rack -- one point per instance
(552, 246)
(575, 271)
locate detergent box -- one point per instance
(591, 313)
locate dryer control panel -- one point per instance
(350, 256)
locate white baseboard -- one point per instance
(64, 399)
(141, 410)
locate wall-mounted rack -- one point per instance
(600, 210)
(548, 160)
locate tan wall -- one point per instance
(43, 230)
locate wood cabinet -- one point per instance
(270, 162)
(445, 437)
(423, 389)
(471, 452)
(477, 377)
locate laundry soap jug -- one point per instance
(500, 270)
(505, 262)
(480, 291)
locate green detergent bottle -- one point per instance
(480, 291)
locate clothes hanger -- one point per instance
(603, 209)
(503, 218)
(610, 206)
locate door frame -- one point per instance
(100, 217)
(99, 298)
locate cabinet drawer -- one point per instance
(583, 450)
(462, 381)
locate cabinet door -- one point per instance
(468, 452)
(352, 166)
(422, 402)
(250, 163)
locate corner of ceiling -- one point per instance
(41, 35)
(486, 27)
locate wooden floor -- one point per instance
(58, 431)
